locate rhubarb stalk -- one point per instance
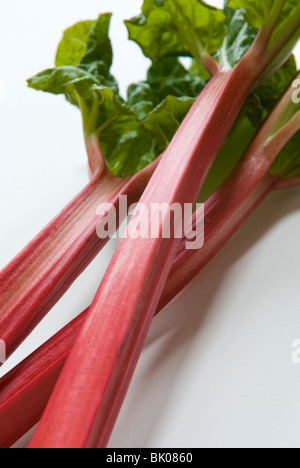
(39, 276)
(30, 384)
(109, 344)
(26, 389)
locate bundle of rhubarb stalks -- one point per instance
(224, 130)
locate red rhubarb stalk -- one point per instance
(30, 384)
(38, 277)
(111, 340)
(25, 391)
(112, 337)
(42, 273)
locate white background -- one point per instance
(216, 370)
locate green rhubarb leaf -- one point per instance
(165, 79)
(84, 55)
(126, 144)
(131, 134)
(73, 45)
(131, 144)
(177, 28)
(58, 81)
(141, 99)
(258, 12)
(86, 42)
(238, 40)
(170, 78)
(128, 141)
(61, 80)
(287, 163)
(164, 120)
(134, 132)
(98, 43)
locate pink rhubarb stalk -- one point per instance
(108, 347)
(38, 277)
(25, 391)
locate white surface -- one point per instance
(216, 370)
